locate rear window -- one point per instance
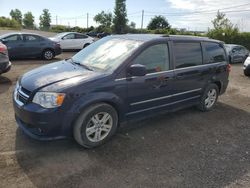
(187, 54)
(214, 52)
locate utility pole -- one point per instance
(87, 20)
(142, 15)
(76, 22)
(56, 19)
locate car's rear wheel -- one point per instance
(48, 54)
(209, 98)
(95, 125)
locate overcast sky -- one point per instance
(189, 14)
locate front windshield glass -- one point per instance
(107, 53)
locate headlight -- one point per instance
(49, 99)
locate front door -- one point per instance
(14, 44)
(152, 91)
(68, 41)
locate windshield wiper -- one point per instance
(78, 63)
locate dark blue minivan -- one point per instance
(119, 78)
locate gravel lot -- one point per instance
(183, 149)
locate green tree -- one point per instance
(158, 22)
(104, 19)
(9, 23)
(28, 20)
(16, 14)
(132, 25)
(45, 19)
(223, 29)
(120, 16)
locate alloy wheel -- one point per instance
(99, 126)
(211, 98)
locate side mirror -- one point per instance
(137, 70)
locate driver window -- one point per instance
(69, 36)
(12, 38)
(155, 58)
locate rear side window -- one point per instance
(187, 54)
(31, 38)
(214, 52)
(155, 58)
(78, 36)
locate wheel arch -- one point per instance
(111, 99)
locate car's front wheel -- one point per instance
(247, 71)
(95, 125)
(85, 45)
(209, 98)
(48, 54)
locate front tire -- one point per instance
(209, 98)
(247, 71)
(48, 54)
(85, 45)
(95, 125)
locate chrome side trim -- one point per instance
(165, 97)
(149, 74)
(204, 65)
(164, 105)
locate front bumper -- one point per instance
(58, 51)
(5, 67)
(42, 124)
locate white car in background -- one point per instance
(246, 66)
(72, 40)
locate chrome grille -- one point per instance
(21, 95)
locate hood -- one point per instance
(54, 73)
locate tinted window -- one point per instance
(31, 38)
(155, 58)
(13, 38)
(187, 54)
(79, 36)
(215, 52)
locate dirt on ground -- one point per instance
(187, 148)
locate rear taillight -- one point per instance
(3, 49)
(229, 67)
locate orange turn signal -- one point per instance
(59, 99)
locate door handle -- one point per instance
(179, 76)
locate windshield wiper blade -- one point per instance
(78, 63)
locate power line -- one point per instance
(202, 11)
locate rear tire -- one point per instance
(209, 98)
(48, 54)
(95, 125)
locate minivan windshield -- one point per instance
(106, 54)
